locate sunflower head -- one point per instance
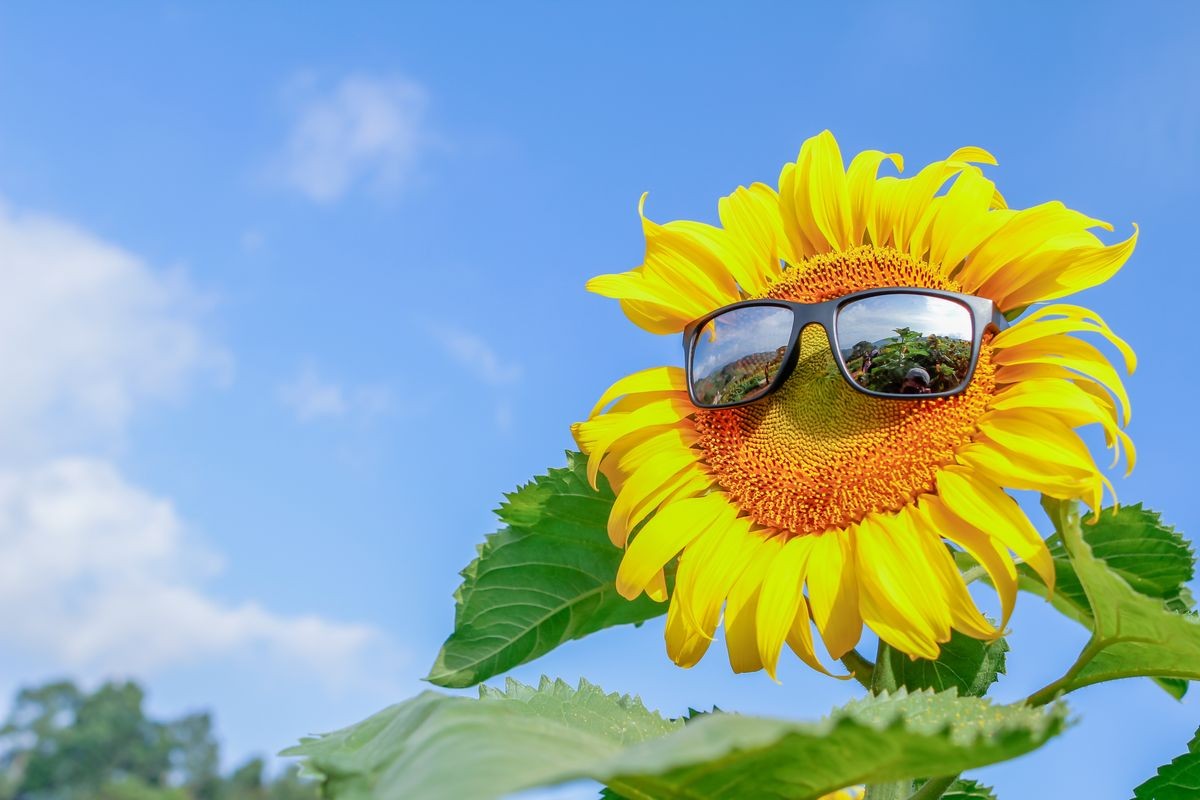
(820, 504)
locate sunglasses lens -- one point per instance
(904, 344)
(737, 354)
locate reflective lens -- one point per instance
(738, 353)
(897, 344)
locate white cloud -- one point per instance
(87, 332)
(365, 130)
(311, 397)
(473, 353)
(479, 360)
(97, 575)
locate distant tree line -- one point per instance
(61, 743)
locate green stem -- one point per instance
(1051, 690)
(883, 679)
(860, 667)
(934, 788)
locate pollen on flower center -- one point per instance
(817, 454)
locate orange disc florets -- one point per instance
(818, 454)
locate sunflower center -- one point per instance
(818, 454)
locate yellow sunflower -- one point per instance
(821, 504)
(853, 793)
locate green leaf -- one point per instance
(543, 580)
(1179, 780)
(966, 664)
(966, 790)
(1152, 558)
(1134, 634)
(453, 748)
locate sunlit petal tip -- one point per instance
(973, 155)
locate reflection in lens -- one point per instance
(739, 353)
(904, 344)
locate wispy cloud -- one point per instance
(479, 360)
(363, 131)
(472, 352)
(312, 397)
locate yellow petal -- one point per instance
(981, 503)
(656, 590)
(800, 641)
(630, 458)
(1039, 436)
(1022, 235)
(1070, 403)
(899, 590)
(1072, 353)
(964, 614)
(1075, 319)
(860, 180)
(1014, 471)
(654, 379)
(756, 241)
(741, 607)
(789, 213)
(734, 550)
(683, 255)
(882, 599)
(684, 645)
(1060, 272)
(670, 530)
(833, 592)
(973, 155)
(616, 426)
(968, 199)
(823, 201)
(646, 489)
(980, 546)
(780, 599)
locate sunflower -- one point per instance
(853, 793)
(820, 504)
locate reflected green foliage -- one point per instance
(62, 743)
(883, 366)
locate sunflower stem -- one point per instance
(883, 675)
(883, 679)
(860, 667)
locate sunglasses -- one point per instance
(894, 343)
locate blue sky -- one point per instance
(235, 240)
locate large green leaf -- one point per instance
(1133, 634)
(543, 580)
(454, 748)
(1153, 558)
(1179, 780)
(966, 664)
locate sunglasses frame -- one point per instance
(985, 317)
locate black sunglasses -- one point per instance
(896, 343)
